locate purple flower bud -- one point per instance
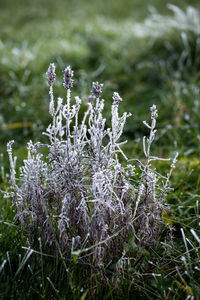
(51, 75)
(97, 89)
(68, 81)
(116, 98)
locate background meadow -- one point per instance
(148, 51)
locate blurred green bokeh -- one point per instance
(108, 41)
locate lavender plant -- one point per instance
(80, 197)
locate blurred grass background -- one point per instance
(107, 41)
(145, 50)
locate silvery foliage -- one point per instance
(80, 197)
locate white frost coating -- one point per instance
(80, 194)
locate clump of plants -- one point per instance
(78, 196)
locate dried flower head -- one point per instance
(97, 89)
(51, 75)
(116, 98)
(68, 81)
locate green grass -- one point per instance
(106, 41)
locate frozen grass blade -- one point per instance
(28, 254)
(3, 264)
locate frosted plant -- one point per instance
(151, 196)
(80, 196)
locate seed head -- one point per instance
(68, 81)
(116, 98)
(51, 75)
(97, 89)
